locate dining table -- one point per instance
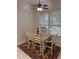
(43, 38)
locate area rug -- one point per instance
(32, 53)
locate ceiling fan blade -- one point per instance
(45, 8)
(45, 5)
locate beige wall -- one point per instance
(25, 20)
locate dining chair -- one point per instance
(38, 44)
(29, 40)
(48, 47)
(43, 30)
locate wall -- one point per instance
(25, 20)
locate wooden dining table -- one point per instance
(43, 38)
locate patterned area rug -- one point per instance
(33, 55)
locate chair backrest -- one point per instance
(49, 43)
(37, 38)
(43, 30)
(29, 36)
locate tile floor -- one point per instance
(22, 55)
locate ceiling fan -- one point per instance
(40, 6)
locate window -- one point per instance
(52, 21)
(43, 22)
(55, 22)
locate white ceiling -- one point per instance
(52, 4)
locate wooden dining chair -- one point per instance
(38, 44)
(48, 47)
(29, 40)
(43, 30)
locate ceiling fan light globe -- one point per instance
(39, 9)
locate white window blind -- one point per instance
(43, 21)
(55, 22)
(52, 21)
